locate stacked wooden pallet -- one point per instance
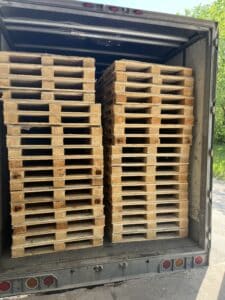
(147, 122)
(55, 155)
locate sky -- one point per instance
(167, 6)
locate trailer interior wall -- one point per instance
(201, 56)
(197, 57)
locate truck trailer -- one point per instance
(110, 33)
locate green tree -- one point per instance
(216, 12)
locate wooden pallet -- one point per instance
(52, 247)
(159, 187)
(42, 194)
(148, 160)
(57, 153)
(46, 59)
(135, 215)
(136, 179)
(124, 87)
(59, 167)
(145, 131)
(150, 212)
(133, 117)
(134, 110)
(37, 182)
(72, 85)
(36, 141)
(162, 116)
(143, 67)
(57, 150)
(164, 233)
(157, 140)
(156, 149)
(127, 134)
(170, 200)
(154, 168)
(55, 226)
(26, 112)
(143, 161)
(44, 213)
(13, 70)
(111, 95)
(70, 234)
(135, 97)
(153, 191)
(39, 206)
(49, 205)
(65, 130)
(135, 174)
(139, 77)
(49, 182)
(158, 197)
(39, 171)
(31, 95)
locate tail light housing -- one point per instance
(49, 281)
(88, 5)
(198, 260)
(113, 8)
(5, 286)
(179, 262)
(31, 283)
(138, 12)
(166, 265)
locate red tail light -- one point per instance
(5, 286)
(166, 264)
(49, 280)
(138, 12)
(198, 260)
(88, 5)
(113, 8)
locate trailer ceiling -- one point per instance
(86, 29)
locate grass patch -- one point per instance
(219, 161)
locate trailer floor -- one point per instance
(201, 284)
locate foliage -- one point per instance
(216, 12)
(219, 161)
